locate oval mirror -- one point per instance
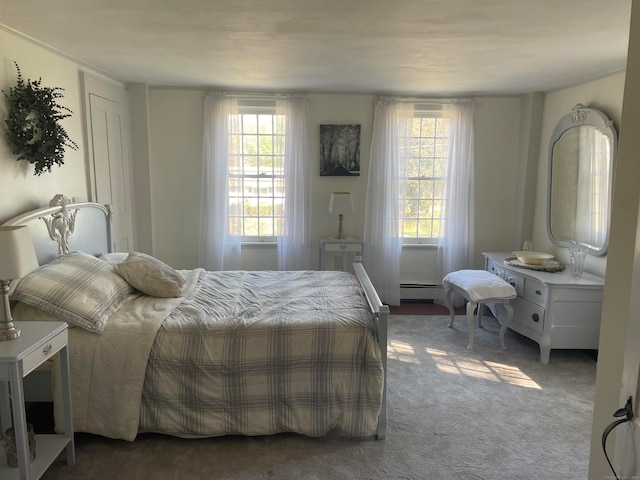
(581, 155)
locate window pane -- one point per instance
(256, 171)
(250, 144)
(249, 124)
(265, 123)
(251, 227)
(266, 227)
(423, 186)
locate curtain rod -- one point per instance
(424, 99)
(397, 98)
(256, 95)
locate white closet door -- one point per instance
(109, 158)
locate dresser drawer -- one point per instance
(44, 352)
(342, 247)
(516, 281)
(535, 291)
(494, 268)
(528, 315)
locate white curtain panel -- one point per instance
(219, 250)
(383, 244)
(456, 248)
(294, 246)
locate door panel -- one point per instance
(110, 165)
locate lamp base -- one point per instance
(8, 332)
(340, 235)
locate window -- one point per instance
(422, 185)
(256, 172)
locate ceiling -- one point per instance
(436, 47)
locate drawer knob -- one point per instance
(47, 349)
(343, 247)
(535, 317)
(538, 292)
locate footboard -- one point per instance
(381, 314)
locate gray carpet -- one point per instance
(453, 414)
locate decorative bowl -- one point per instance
(532, 258)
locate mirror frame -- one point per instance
(581, 115)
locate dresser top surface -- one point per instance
(562, 278)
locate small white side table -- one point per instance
(39, 342)
(339, 248)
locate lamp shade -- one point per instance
(17, 256)
(341, 202)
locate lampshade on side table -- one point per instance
(17, 258)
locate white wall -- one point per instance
(604, 94)
(21, 189)
(176, 142)
(174, 160)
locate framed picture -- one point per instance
(339, 150)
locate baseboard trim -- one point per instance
(419, 291)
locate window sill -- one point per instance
(420, 246)
(257, 245)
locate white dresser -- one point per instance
(553, 309)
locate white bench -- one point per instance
(479, 287)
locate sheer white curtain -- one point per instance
(218, 249)
(457, 245)
(389, 152)
(294, 246)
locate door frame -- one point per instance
(91, 85)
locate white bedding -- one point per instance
(107, 370)
(249, 353)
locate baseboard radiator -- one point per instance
(419, 291)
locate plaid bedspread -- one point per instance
(257, 353)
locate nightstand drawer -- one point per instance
(342, 247)
(44, 352)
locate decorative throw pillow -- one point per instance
(114, 258)
(150, 275)
(75, 287)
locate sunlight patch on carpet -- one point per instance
(485, 370)
(402, 352)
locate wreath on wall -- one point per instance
(34, 130)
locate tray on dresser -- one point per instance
(548, 266)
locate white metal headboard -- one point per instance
(65, 226)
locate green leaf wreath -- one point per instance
(34, 131)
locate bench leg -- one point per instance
(448, 300)
(505, 323)
(471, 307)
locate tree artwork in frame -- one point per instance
(339, 150)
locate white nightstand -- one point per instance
(339, 249)
(39, 342)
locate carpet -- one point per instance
(456, 414)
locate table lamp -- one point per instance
(17, 258)
(340, 203)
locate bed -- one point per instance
(195, 353)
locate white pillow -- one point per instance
(150, 275)
(77, 288)
(114, 258)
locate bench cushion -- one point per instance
(480, 285)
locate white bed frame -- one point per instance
(66, 226)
